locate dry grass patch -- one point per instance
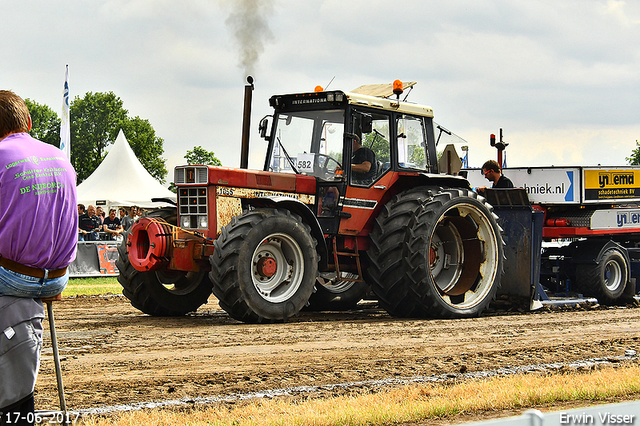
(407, 404)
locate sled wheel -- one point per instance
(605, 280)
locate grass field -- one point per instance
(92, 286)
(421, 404)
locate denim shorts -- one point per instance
(19, 285)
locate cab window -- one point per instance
(411, 143)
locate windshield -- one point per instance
(308, 142)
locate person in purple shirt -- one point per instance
(38, 239)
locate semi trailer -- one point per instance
(590, 229)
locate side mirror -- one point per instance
(263, 128)
(367, 123)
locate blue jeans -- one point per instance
(19, 285)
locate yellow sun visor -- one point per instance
(381, 90)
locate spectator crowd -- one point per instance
(95, 225)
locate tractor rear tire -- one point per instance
(454, 255)
(264, 266)
(162, 292)
(388, 250)
(336, 294)
(605, 280)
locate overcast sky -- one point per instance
(562, 78)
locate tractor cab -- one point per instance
(351, 143)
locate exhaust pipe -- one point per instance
(246, 124)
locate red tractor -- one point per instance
(318, 227)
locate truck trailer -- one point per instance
(590, 229)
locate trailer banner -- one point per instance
(615, 219)
(611, 184)
(545, 185)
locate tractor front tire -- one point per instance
(162, 292)
(264, 266)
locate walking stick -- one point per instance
(54, 343)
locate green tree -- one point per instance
(378, 144)
(45, 123)
(146, 145)
(96, 120)
(634, 160)
(199, 155)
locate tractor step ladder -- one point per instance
(355, 254)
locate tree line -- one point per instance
(95, 121)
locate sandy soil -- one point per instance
(113, 354)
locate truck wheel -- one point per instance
(264, 266)
(337, 295)
(387, 252)
(455, 255)
(605, 280)
(163, 292)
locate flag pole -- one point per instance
(65, 123)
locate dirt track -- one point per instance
(113, 354)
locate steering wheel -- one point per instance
(324, 161)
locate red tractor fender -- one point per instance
(149, 243)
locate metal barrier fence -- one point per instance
(95, 259)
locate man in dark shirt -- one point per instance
(87, 224)
(363, 164)
(112, 225)
(492, 172)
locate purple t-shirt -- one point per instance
(38, 208)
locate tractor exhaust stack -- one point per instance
(246, 124)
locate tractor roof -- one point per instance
(388, 104)
(373, 95)
(380, 95)
(382, 90)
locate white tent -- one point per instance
(121, 180)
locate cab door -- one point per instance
(373, 130)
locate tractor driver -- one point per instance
(363, 163)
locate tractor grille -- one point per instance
(193, 203)
(191, 175)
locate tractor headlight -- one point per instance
(189, 221)
(185, 221)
